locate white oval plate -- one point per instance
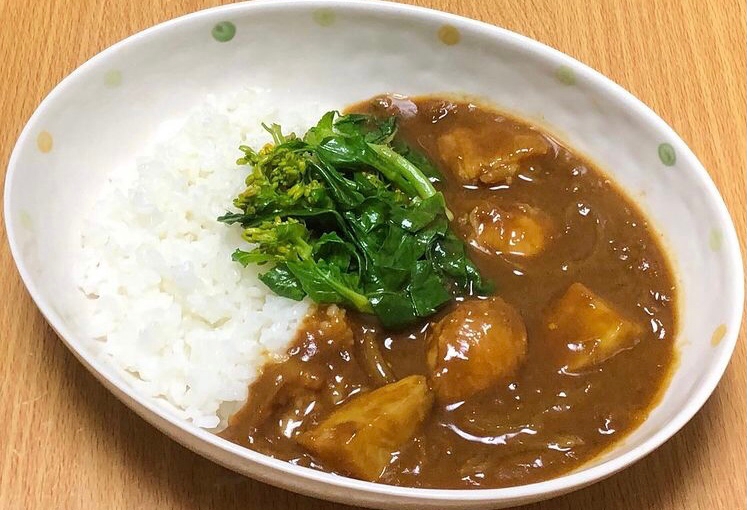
(338, 52)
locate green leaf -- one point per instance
(400, 249)
(394, 309)
(325, 283)
(283, 283)
(418, 159)
(450, 259)
(372, 129)
(323, 130)
(335, 251)
(426, 290)
(343, 191)
(230, 218)
(351, 124)
(383, 132)
(372, 214)
(420, 215)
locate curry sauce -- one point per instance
(571, 258)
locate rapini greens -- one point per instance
(349, 215)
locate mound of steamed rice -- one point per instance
(166, 305)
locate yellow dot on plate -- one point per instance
(449, 35)
(113, 78)
(44, 142)
(324, 17)
(718, 334)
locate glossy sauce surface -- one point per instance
(544, 419)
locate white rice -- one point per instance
(168, 307)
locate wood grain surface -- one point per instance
(66, 443)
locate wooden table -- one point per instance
(65, 442)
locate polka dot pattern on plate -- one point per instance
(565, 75)
(113, 78)
(224, 31)
(44, 142)
(324, 17)
(718, 334)
(449, 35)
(667, 154)
(25, 220)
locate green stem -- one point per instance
(359, 301)
(403, 169)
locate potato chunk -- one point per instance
(586, 330)
(474, 347)
(485, 156)
(360, 437)
(519, 230)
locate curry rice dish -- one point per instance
(557, 347)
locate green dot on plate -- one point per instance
(667, 154)
(224, 31)
(324, 17)
(113, 78)
(25, 220)
(565, 75)
(715, 239)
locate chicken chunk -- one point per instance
(361, 435)
(586, 330)
(474, 347)
(485, 156)
(520, 230)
